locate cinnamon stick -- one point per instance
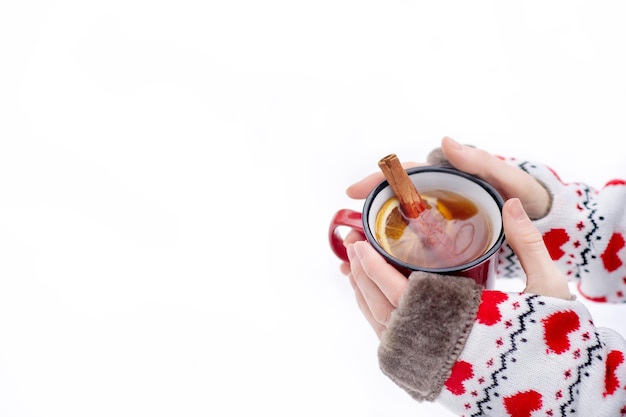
(410, 200)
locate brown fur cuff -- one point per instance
(427, 332)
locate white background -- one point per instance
(168, 170)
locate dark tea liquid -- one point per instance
(452, 231)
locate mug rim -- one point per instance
(446, 270)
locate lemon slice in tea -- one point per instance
(392, 232)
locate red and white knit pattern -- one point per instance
(585, 233)
(530, 356)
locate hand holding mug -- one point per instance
(378, 286)
(508, 180)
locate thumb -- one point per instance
(509, 180)
(542, 275)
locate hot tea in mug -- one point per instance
(457, 230)
(459, 233)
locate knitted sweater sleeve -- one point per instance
(491, 353)
(585, 232)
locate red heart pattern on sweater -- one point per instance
(523, 404)
(554, 240)
(556, 330)
(611, 383)
(461, 372)
(488, 311)
(616, 182)
(610, 257)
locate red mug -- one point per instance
(482, 268)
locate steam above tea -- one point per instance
(451, 231)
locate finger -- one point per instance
(387, 279)
(353, 236)
(365, 310)
(542, 275)
(509, 180)
(377, 303)
(361, 189)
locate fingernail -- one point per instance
(454, 144)
(359, 250)
(517, 210)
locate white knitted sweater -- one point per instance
(492, 353)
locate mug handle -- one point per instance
(344, 217)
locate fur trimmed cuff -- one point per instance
(437, 157)
(427, 332)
